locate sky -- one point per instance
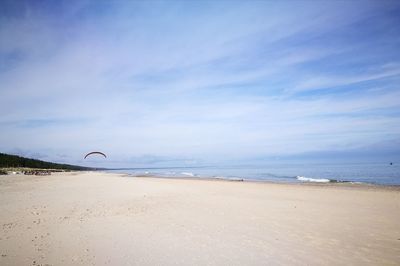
(199, 82)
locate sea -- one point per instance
(371, 173)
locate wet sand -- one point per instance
(93, 218)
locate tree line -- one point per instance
(8, 161)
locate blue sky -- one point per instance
(186, 82)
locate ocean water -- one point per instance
(373, 173)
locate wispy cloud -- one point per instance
(325, 82)
(197, 81)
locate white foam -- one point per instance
(309, 179)
(188, 174)
(228, 178)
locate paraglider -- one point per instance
(95, 152)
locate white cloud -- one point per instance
(211, 83)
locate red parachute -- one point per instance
(95, 152)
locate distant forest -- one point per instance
(7, 161)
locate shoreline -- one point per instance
(343, 184)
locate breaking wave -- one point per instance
(188, 174)
(309, 179)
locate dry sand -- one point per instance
(109, 219)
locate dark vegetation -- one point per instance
(10, 161)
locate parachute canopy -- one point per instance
(95, 152)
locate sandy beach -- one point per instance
(94, 218)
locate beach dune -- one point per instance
(94, 218)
